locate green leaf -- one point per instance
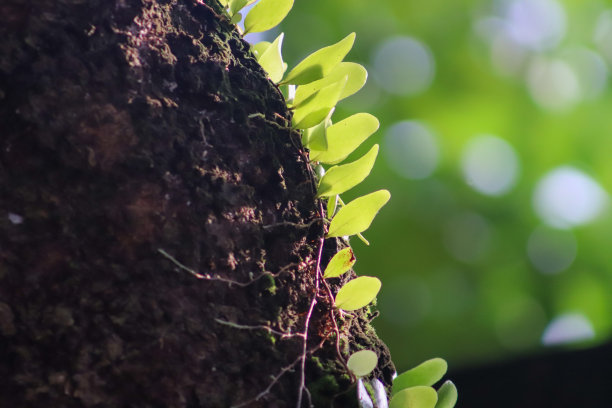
(235, 6)
(356, 74)
(357, 293)
(356, 216)
(415, 397)
(447, 395)
(426, 373)
(339, 179)
(236, 18)
(340, 263)
(316, 137)
(272, 61)
(259, 48)
(319, 170)
(320, 63)
(318, 107)
(344, 137)
(362, 362)
(224, 3)
(332, 203)
(266, 14)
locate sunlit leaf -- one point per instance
(316, 137)
(236, 5)
(236, 18)
(415, 397)
(319, 170)
(357, 293)
(356, 216)
(272, 61)
(356, 74)
(224, 3)
(318, 107)
(266, 14)
(332, 203)
(339, 179)
(361, 363)
(259, 48)
(344, 137)
(447, 395)
(426, 373)
(340, 263)
(320, 63)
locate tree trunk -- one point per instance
(159, 232)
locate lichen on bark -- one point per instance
(130, 126)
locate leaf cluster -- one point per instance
(411, 389)
(314, 87)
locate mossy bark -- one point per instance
(137, 136)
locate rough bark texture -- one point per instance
(130, 126)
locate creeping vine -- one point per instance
(312, 89)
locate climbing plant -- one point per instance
(313, 88)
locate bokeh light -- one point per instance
(507, 56)
(590, 70)
(536, 24)
(567, 197)
(489, 165)
(500, 110)
(411, 149)
(403, 66)
(551, 250)
(568, 328)
(553, 84)
(602, 35)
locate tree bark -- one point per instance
(159, 231)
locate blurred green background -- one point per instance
(495, 144)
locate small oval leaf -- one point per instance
(316, 137)
(320, 63)
(361, 363)
(266, 14)
(340, 263)
(235, 6)
(357, 293)
(271, 60)
(426, 373)
(356, 216)
(318, 107)
(447, 395)
(357, 76)
(332, 203)
(344, 137)
(236, 18)
(339, 179)
(259, 48)
(415, 397)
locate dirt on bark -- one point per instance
(159, 232)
